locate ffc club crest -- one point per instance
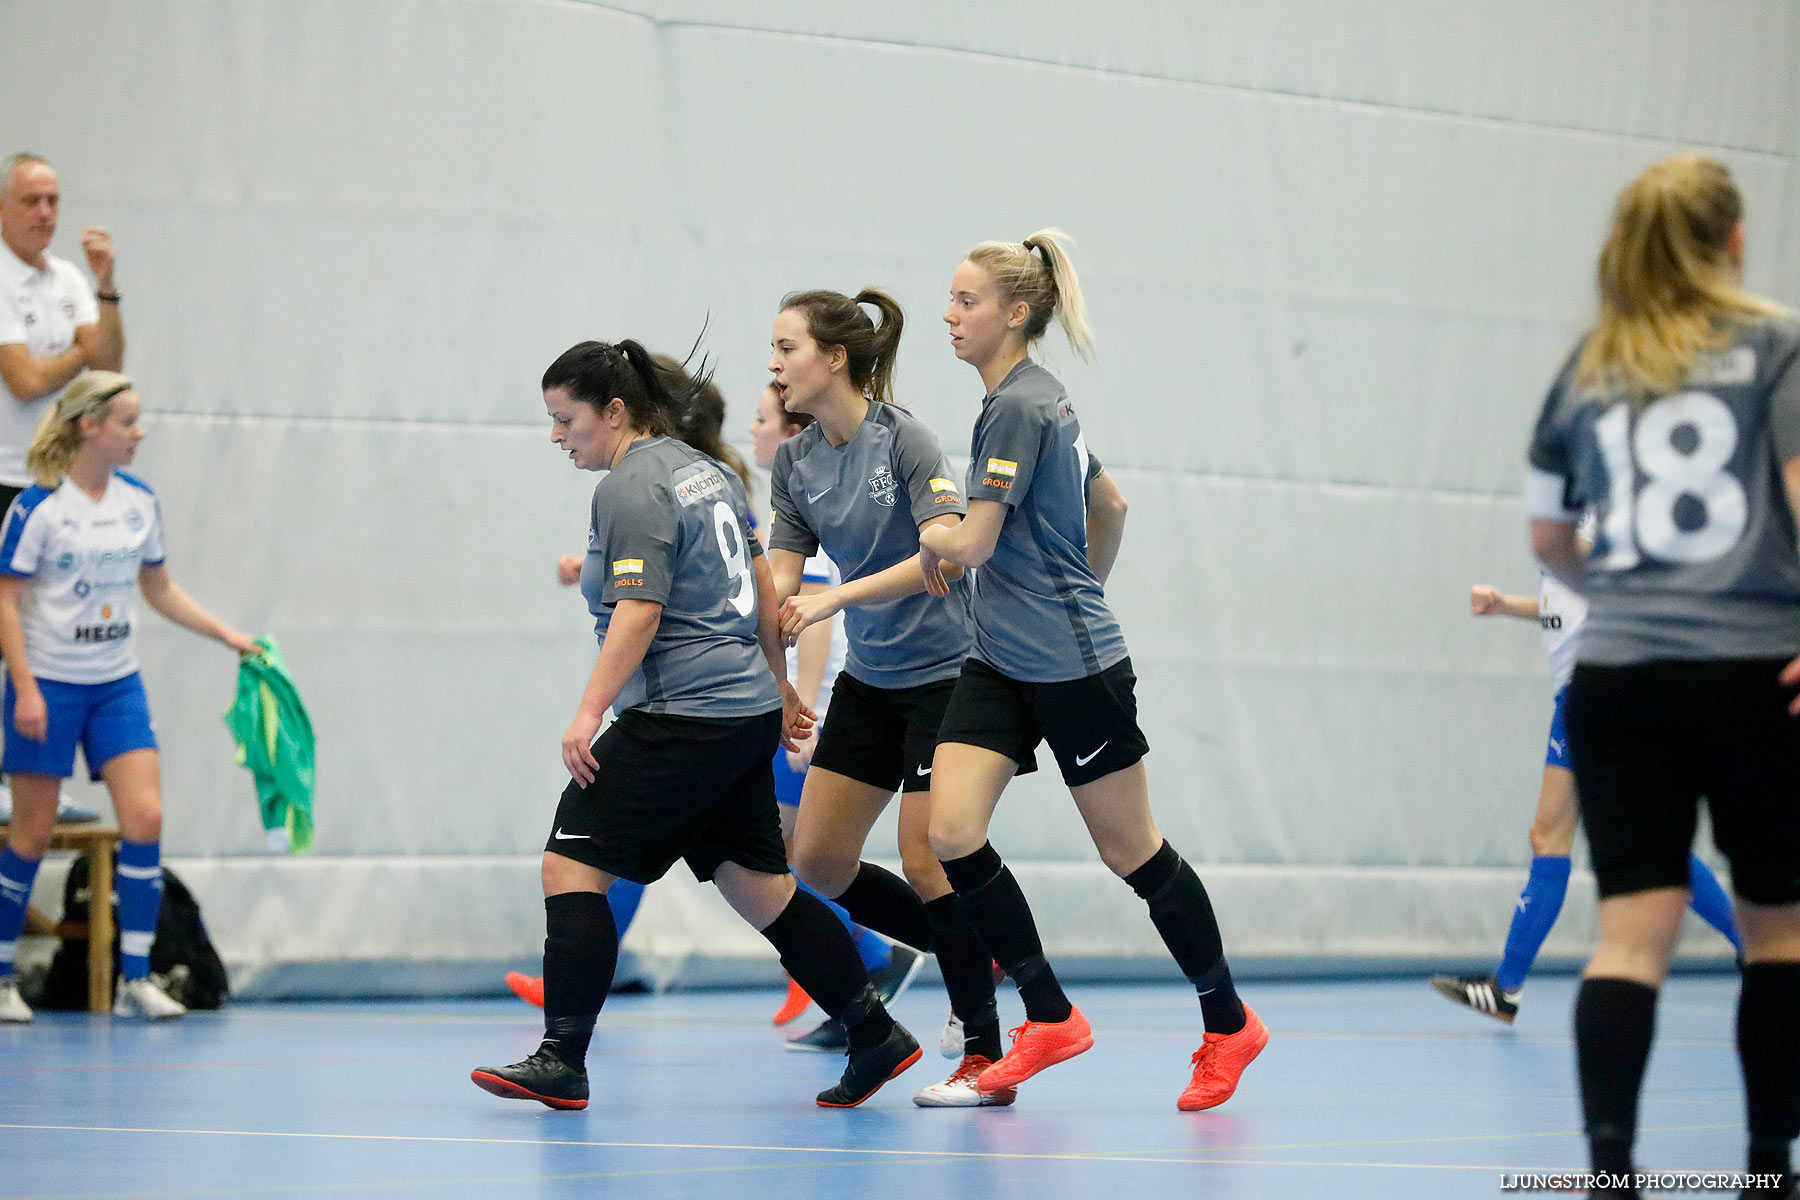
(884, 489)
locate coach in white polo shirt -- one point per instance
(53, 324)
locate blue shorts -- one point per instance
(106, 719)
(1558, 753)
(788, 781)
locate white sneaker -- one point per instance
(950, 1042)
(69, 811)
(959, 1091)
(13, 1008)
(66, 808)
(142, 998)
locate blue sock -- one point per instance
(624, 896)
(874, 951)
(16, 875)
(1711, 902)
(1539, 905)
(140, 899)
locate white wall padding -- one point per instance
(1333, 250)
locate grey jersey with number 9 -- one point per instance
(672, 526)
(1694, 553)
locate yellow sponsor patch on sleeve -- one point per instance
(1002, 466)
(628, 566)
(943, 485)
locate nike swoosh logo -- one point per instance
(812, 499)
(922, 771)
(1083, 760)
(560, 836)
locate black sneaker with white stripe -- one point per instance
(1479, 992)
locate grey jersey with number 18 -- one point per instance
(672, 526)
(1694, 551)
(1040, 615)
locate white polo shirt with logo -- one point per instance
(41, 310)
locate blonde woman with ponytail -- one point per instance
(1050, 664)
(75, 550)
(1677, 427)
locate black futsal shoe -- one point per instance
(543, 1077)
(871, 1067)
(1479, 992)
(829, 1038)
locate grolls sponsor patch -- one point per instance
(628, 566)
(1000, 472)
(943, 485)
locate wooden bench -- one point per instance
(99, 843)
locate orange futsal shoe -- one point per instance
(1036, 1045)
(1220, 1061)
(796, 1003)
(529, 988)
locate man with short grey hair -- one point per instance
(53, 323)
(53, 326)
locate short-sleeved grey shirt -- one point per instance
(864, 502)
(1040, 615)
(1694, 554)
(672, 526)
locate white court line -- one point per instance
(722, 1147)
(865, 1151)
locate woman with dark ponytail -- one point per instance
(862, 481)
(691, 663)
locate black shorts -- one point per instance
(676, 787)
(883, 737)
(1091, 724)
(1649, 741)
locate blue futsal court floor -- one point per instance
(1368, 1088)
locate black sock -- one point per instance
(968, 976)
(1770, 1055)
(581, 953)
(1183, 913)
(1615, 1020)
(817, 951)
(887, 904)
(997, 910)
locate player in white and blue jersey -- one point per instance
(1676, 425)
(861, 481)
(691, 664)
(1558, 610)
(1049, 663)
(75, 550)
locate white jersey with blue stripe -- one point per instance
(82, 558)
(1561, 611)
(820, 569)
